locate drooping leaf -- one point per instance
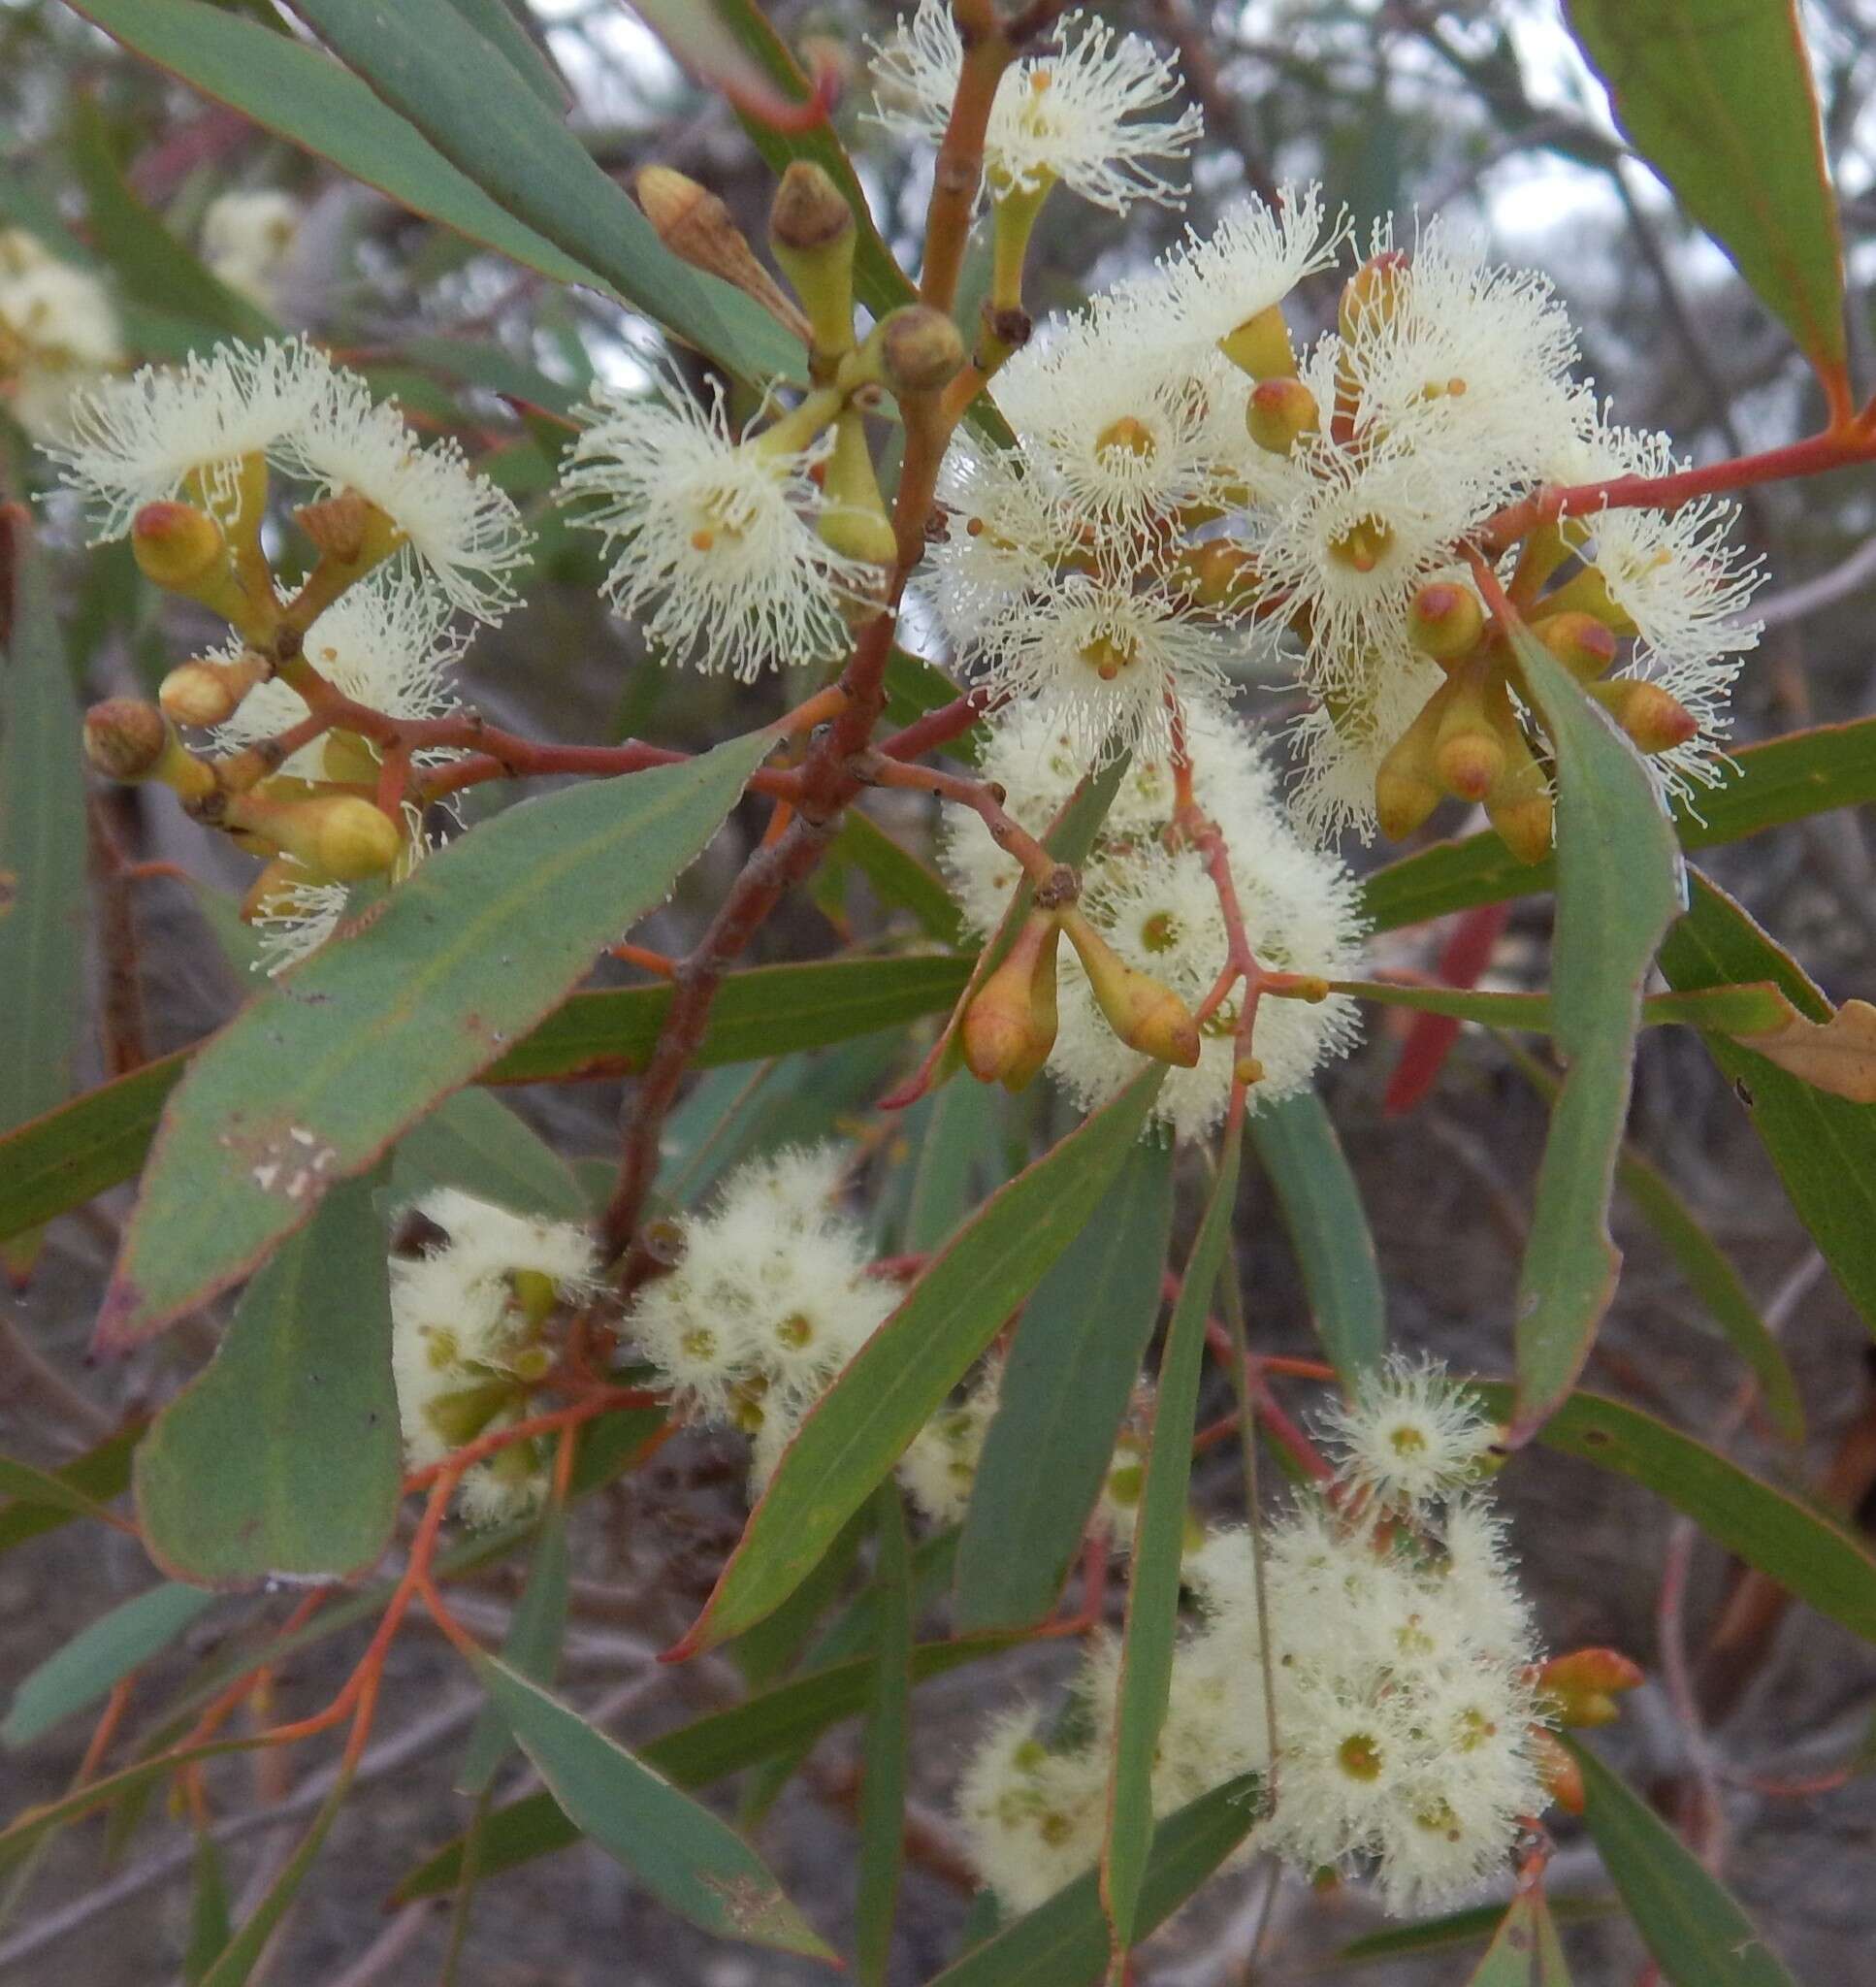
(1525, 1950)
(772, 1722)
(85, 1671)
(28, 1485)
(312, 1081)
(898, 875)
(42, 1500)
(1718, 100)
(475, 1142)
(1799, 1545)
(1070, 1374)
(1460, 1928)
(1785, 780)
(1153, 1594)
(679, 1850)
(1328, 1228)
(886, 1754)
(1065, 1940)
(61, 1161)
(239, 1959)
(1618, 886)
(283, 1458)
(41, 850)
(209, 1925)
(900, 1377)
(429, 65)
(530, 1650)
(954, 1146)
(1690, 1922)
(1824, 1147)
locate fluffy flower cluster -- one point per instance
(247, 239)
(1188, 493)
(1076, 115)
(1153, 901)
(713, 535)
(58, 332)
(193, 430)
(1399, 1659)
(467, 1347)
(768, 1301)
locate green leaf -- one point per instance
(243, 1951)
(1787, 780)
(424, 62)
(475, 1142)
(1460, 1928)
(1801, 1547)
(497, 23)
(312, 1081)
(1070, 1374)
(304, 96)
(1749, 1010)
(1822, 1145)
(27, 1486)
(1687, 1918)
(680, 1851)
(1618, 886)
(532, 1647)
(898, 876)
(42, 849)
(889, 1712)
(1704, 1265)
(61, 1161)
(772, 1722)
(1328, 1228)
(956, 1142)
(1064, 1942)
(97, 1657)
(209, 1926)
(1525, 1950)
(151, 265)
(283, 1458)
(1718, 99)
(40, 1500)
(900, 1377)
(1153, 1594)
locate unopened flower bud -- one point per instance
(1406, 784)
(1260, 346)
(275, 891)
(1279, 413)
(1469, 754)
(1144, 1011)
(204, 693)
(812, 233)
(129, 740)
(1446, 621)
(1010, 1025)
(1520, 806)
(1584, 1684)
(177, 546)
(1579, 641)
(921, 349)
(338, 837)
(1560, 1776)
(853, 520)
(1372, 295)
(697, 228)
(1214, 574)
(1654, 719)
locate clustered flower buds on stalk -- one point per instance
(1401, 1681)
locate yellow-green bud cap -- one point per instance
(1446, 621)
(854, 519)
(1261, 346)
(204, 692)
(812, 234)
(1144, 1011)
(921, 349)
(1010, 1025)
(177, 546)
(1520, 805)
(338, 837)
(1279, 413)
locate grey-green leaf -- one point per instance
(102, 1652)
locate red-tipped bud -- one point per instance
(1562, 1777)
(1446, 621)
(1520, 806)
(1656, 721)
(1373, 294)
(1584, 1686)
(1279, 414)
(1579, 641)
(1010, 1025)
(177, 546)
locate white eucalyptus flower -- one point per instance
(58, 332)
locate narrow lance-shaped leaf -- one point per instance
(900, 1377)
(313, 1079)
(475, 1142)
(889, 1735)
(1067, 1382)
(1784, 780)
(1525, 1949)
(1824, 1147)
(102, 1653)
(61, 1161)
(532, 1648)
(237, 1962)
(1690, 1922)
(283, 1458)
(679, 1850)
(1799, 1545)
(41, 850)
(1153, 1594)
(1718, 99)
(429, 64)
(1328, 1228)
(1618, 885)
